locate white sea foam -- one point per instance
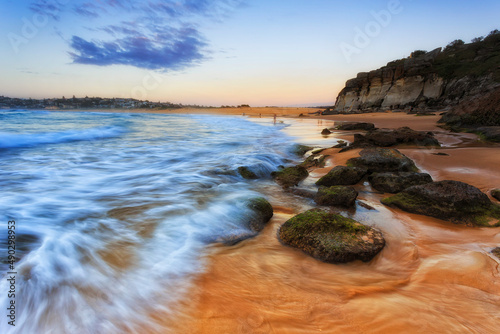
(114, 229)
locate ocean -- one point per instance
(114, 211)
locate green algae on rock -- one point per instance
(336, 195)
(256, 219)
(290, 176)
(300, 150)
(247, 173)
(263, 212)
(331, 237)
(453, 201)
(314, 160)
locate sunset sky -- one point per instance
(260, 52)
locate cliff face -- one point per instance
(432, 80)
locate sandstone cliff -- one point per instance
(433, 80)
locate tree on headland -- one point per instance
(455, 44)
(417, 53)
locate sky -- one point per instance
(219, 52)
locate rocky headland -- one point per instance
(442, 79)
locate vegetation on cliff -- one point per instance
(426, 80)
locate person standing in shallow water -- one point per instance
(274, 119)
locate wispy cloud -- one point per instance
(47, 7)
(174, 50)
(167, 38)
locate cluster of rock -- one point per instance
(333, 238)
(386, 137)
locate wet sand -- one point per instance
(432, 276)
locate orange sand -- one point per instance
(432, 276)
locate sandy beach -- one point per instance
(432, 276)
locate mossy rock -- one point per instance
(262, 213)
(453, 201)
(331, 237)
(290, 177)
(314, 160)
(342, 176)
(383, 160)
(394, 182)
(336, 196)
(495, 193)
(247, 173)
(255, 219)
(300, 150)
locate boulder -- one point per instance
(341, 144)
(254, 221)
(300, 150)
(394, 182)
(291, 176)
(496, 252)
(453, 201)
(383, 160)
(331, 237)
(495, 193)
(392, 137)
(314, 160)
(336, 195)
(262, 213)
(342, 176)
(349, 126)
(247, 173)
(491, 133)
(326, 132)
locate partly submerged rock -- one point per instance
(350, 126)
(325, 132)
(290, 176)
(263, 212)
(341, 144)
(247, 173)
(383, 160)
(300, 150)
(495, 193)
(454, 201)
(394, 182)
(331, 237)
(342, 176)
(253, 222)
(314, 160)
(336, 195)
